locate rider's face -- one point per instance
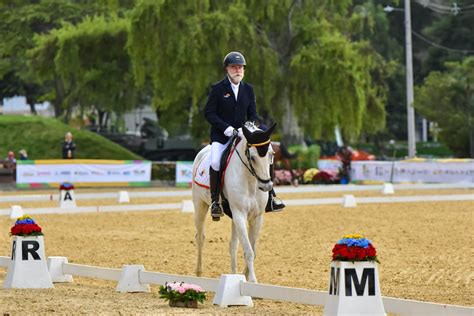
(235, 73)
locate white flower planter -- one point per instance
(28, 268)
(354, 289)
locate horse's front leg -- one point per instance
(255, 226)
(233, 244)
(241, 227)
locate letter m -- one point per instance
(334, 282)
(351, 278)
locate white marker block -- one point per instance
(354, 289)
(123, 197)
(187, 206)
(130, 281)
(388, 188)
(16, 211)
(55, 267)
(67, 199)
(228, 292)
(28, 268)
(349, 201)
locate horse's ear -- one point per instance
(246, 131)
(269, 131)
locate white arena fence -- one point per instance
(289, 202)
(279, 189)
(264, 291)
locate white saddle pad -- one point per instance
(202, 175)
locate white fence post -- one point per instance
(228, 292)
(130, 281)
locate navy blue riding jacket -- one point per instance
(222, 110)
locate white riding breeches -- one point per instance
(216, 153)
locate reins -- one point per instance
(251, 169)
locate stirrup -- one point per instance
(216, 211)
(274, 204)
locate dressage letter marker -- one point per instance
(28, 268)
(354, 289)
(67, 199)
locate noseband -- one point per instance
(250, 167)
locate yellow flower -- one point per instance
(24, 217)
(309, 174)
(354, 236)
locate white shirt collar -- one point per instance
(235, 88)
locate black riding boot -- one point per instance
(214, 181)
(273, 205)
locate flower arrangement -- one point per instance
(182, 294)
(309, 175)
(354, 248)
(25, 226)
(66, 186)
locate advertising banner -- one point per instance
(81, 171)
(413, 171)
(184, 173)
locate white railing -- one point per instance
(266, 291)
(283, 293)
(282, 189)
(157, 278)
(92, 272)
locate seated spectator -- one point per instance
(23, 154)
(10, 160)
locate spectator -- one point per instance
(10, 161)
(69, 147)
(344, 154)
(11, 157)
(23, 154)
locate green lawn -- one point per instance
(42, 138)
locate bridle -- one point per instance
(250, 167)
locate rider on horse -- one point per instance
(230, 103)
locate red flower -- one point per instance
(371, 252)
(25, 229)
(359, 252)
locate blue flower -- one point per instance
(25, 221)
(352, 242)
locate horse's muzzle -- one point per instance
(265, 187)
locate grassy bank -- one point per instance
(42, 138)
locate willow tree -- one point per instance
(20, 22)
(89, 64)
(306, 69)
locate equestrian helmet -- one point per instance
(234, 58)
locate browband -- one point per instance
(259, 144)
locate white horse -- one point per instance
(246, 185)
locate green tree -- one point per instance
(448, 99)
(20, 22)
(307, 68)
(89, 64)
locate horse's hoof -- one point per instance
(216, 219)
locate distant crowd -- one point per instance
(68, 152)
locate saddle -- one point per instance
(202, 175)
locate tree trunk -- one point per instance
(292, 133)
(33, 108)
(58, 100)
